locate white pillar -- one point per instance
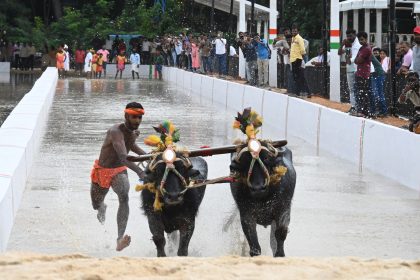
(259, 27)
(378, 37)
(367, 23)
(334, 45)
(356, 20)
(272, 78)
(242, 27)
(345, 22)
(266, 29)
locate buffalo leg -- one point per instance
(186, 233)
(249, 226)
(280, 232)
(157, 229)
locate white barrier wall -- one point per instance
(144, 71)
(4, 67)
(20, 137)
(387, 150)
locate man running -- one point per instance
(111, 169)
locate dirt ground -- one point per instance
(77, 266)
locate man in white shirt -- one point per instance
(350, 47)
(135, 63)
(221, 53)
(67, 60)
(178, 51)
(319, 60)
(145, 51)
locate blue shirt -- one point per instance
(262, 49)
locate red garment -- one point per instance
(363, 68)
(103, 176)
(80, 56)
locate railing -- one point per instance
(398, 38)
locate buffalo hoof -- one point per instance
(161, 254)
(254, 252)
(279, 254)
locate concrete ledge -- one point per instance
(196, 84)
(302, 120)
(20, 137)
(207, 84)
(219, 92)
(340, 134)
(389, 151)
(144, 71)
(253, 97)
(392, 152)
(235, 96)
(6, 211)
(4, 67)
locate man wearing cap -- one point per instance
(415, 64)
(110, 170)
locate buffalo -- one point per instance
(180, 203)
(263, 192)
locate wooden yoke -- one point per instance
(206, 152)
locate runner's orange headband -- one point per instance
(134, 111)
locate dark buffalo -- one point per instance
(261, 201)
(180, 204)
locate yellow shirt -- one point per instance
(297, 49)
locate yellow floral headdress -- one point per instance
(248, 122)
(169, 135)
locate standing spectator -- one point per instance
(187, 49)
(205, 53)
(105, 57)
(377, 98)
(363, 61)
(99, 65)
(350, 47)
(16, 55)
(67, 60)
(10, 52)
(220, 52)
(385, 62)
(158, 64)
(297, 51)
(135, 63)
(121, 60)
(195, 56)
(264, 54)
(24, 54)
(79, 59)
(250, 53)
(153, 47)
(178, 51)
(31, 59)
(407, 58)
(415, 64)
(94, 65)
(284, 46)
(145, 51)
(88, 63)
(60, 57)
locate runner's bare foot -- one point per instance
(123, 242)
(101, 213)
